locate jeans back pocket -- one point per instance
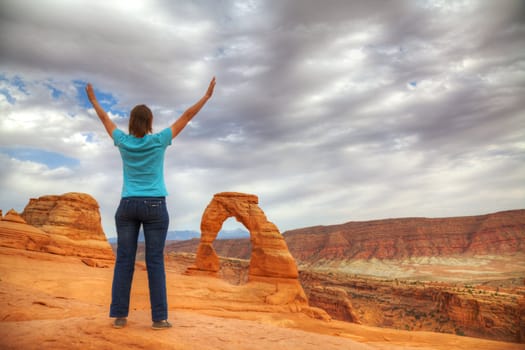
(154, 208)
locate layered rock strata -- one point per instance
(497, 233)
(334, 300)
(473, 310)
(74, 215)
(64, 225)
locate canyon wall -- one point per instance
(463, 309)
(497, 233)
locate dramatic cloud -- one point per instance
(329, 111)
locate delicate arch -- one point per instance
(270, 256)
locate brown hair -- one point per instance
(140, 121)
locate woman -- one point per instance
(142, 203)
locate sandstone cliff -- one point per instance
(74, 215)
(63, 225)
(498, 233)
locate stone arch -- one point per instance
(270, 257)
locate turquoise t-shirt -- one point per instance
(143, 163)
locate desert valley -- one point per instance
(409, 283)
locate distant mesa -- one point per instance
(404, 238)
(67, 224)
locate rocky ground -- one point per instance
(56, 269)
(59, 302)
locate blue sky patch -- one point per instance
(106, 100)
(53, 160)
(15, 81)
(8, 96)
(55, 93)
(90, 136)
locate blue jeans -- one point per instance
(152, 214)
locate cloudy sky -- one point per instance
(329, 111)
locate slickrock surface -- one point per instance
(74, 215)
(58, 302)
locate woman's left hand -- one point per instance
(209, 92)
(90, 93)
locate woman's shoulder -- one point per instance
(163, 136)
(118, 136)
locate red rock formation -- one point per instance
(334, 300)
(270, 262)
(498, 233)
(74, 215)
(14, 234)
(270, 256)
(13, 216)
(26, 237)
(65, 225)
(485, 248)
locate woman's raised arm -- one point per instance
(185, 118)
(104, 118)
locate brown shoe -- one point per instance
(120, 322)
(158, 325)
